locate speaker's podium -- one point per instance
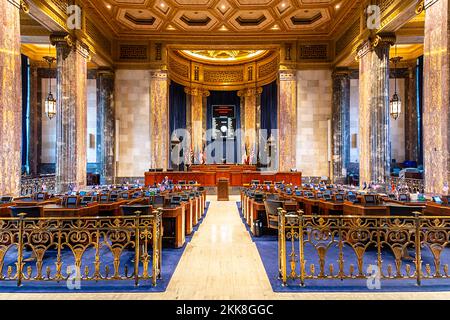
(222, 189)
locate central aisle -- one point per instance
(221, 261)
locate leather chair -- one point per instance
(272, 212)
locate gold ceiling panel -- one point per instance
(258, 70)
(219, 56)
(224, 17)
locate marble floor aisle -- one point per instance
(222, 262)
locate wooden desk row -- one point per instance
(236, 178)
(252, 209)
(186, 216)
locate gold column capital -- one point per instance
(250, 92)
(420, 7)
(288, 75)
(341, 73)
(24, 6)
(159, 75)
(197, 92)
(375, 41)
(105, 72)
(69, 42)
(65, 39)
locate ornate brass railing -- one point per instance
(308, 247)
(407, 184)
(96, 248)
(32, 185)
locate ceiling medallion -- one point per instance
(224, 55)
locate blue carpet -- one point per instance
(170, 260)
(267, 246)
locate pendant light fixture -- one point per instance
(395, 104)
(50, 102)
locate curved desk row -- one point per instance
(236, 178)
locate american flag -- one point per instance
(204, 156)
(252, 155)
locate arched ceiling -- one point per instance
(223, 56)
(225, 17)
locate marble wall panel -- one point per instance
(132, 103)
(314, 100)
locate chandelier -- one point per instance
(50, 101)
(395, 104)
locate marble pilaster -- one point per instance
(159, 119)
(341, 124)
(34, 120)
(374, 144)
(106, 128)
(436, 109)
(411, 116)
(10, 100)
(196, 117)
(250, 101)
(287, 123)
(71, 117)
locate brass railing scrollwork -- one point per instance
(309, 247)
(96, 248)
(29, 186)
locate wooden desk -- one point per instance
(210, 178)
(58, 211)
(222, 190)
(189, 215)
(351, 209)
(4, 209)
(434, 209)
(28, 202)
(111, 208)
(406, 203)
(178, 234)
(328, 208)
(310, 206)
(255, 209)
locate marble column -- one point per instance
(10, 100)
(436, 110)
(341, 124)
(249, 98)
(107, 125)
(35, 118)
(374, 143)
(196, 117)
(159, 119)
(287, 120)
(71, 117)
(411, 115)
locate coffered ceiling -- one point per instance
(225, 17)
